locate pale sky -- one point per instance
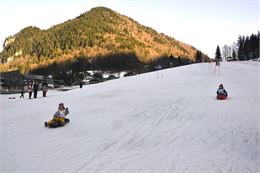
(203, 24)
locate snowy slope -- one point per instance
(141, 124)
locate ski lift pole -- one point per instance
(158, 68)
(215, 70)
(219, 71)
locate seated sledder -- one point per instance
(59, 117)
(221, 92)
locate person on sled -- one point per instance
(221, 92)
(59, 117)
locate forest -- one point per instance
(100, 32)
(244, 48)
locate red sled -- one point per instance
(221, 97)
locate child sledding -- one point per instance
(59, 117)
(221, 93)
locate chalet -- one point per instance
(12, 79)
(30, 78)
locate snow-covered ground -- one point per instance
(141, 124)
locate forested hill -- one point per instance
(98, 32)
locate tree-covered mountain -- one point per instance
(98, 32)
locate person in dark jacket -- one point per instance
(44, 88)
(80, 84)
(221, 91)
(22, 93)
(35, 89)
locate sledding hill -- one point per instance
(141, 124)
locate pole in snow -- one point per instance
(217, 65)
(159, 70)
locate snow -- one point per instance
(141, 124)
(107, 74)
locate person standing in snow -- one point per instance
(35, 89)
(59, 116)
(44, 88)
(29, 87)
(80, 84)
(22, 92)
(221, 92)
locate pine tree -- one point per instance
(199, 57)
(241, 51)
(234, 55)
(218, 54)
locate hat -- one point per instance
(61, 104)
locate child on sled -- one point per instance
(59, 117)
(221, 92)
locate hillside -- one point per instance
(98, 32)
(141, 124)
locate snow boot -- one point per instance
(67, 120)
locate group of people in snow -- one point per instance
(34, 88)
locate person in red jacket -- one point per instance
(44, 89)
(29, 87)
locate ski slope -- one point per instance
(141, 124)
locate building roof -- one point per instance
(34, 77)
(10, 73)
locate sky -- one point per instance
(203, 24)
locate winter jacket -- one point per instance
(29, 88)
(222, 91)
(61, 114)
(44, 86)
(35, 87)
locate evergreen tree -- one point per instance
(199, 57)
(240, 44)
(218, 54)
(234, 55)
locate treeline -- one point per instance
(248, 47)
(168, 62)
(116, 62)
(200, 57)
(73, 70)
(245, 48)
